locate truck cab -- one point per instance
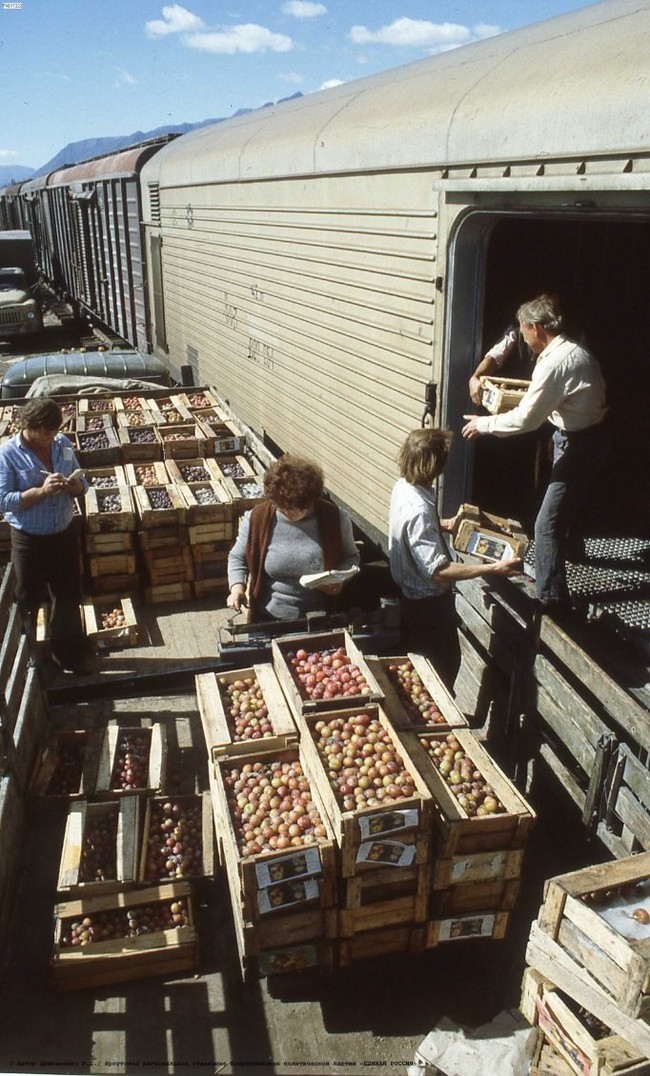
(19, 311)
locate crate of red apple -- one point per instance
(110, 622)
(132, 760)
(241, 707)
(178, 839)
(415, 696)
(323, 671)
(114, 938)
(99, 848)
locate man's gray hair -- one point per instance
(541, 311)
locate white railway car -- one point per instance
(325, 260)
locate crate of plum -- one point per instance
(321, 671)
(109, 510)
(159, 506)
(243, 706)
(132, 419)
(132, 760)
(245, 492)
(110, 622)
(276, 841)
(67, 767)
(600, 916)
(147, 474)
(222, 438)
(199, 400)
(95, 405)
(100, 848)
(415, 696)
(140, 443)
(90, 423)
(122, 936)
(178, 839)
(200, 469)
(107, 477)
(234, 467)
(206, 502)
(170, 411)
(98, 448)
(476, 808)
(181, 441)
(378, 804)
(130, 403)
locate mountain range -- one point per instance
(75, 152)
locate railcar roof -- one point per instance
(573, 85)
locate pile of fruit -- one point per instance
(146, 475)
(159, 498)
(246, 711)
(417, 701)
(174, 843)
(68, 768)
(131, 766)
(99, 849)
(108, 481)
(109, 502)
(362, 763)
(327, 674)
(111, 618)
(92, 441)
(120, 923)
(193, 473)
(271, 807)
(140, 435)
(474, 794)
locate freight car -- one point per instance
(338, 263)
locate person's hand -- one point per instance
(470, 430)
(331, 588)
(514, 566)
(237, 598)
(449, 524)
(476, 389)
(54, 483)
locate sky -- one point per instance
(75, 69)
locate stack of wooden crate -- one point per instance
(209, 521)
(588, 983)
(109, 541)
(166, 557)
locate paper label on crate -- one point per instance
(386, 853)
(467, 926)
(376, 824)
(558, 1037)
(295, 959)
(490, 548)
(491, 867)
(284, 868)
(286, 894)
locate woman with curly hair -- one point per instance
(294, 532)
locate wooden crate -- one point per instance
(625, 828)
(95, 405)
(89, 423)
(130, 403)
(499, 394)
(567, 1029)
(222, 438)
(157, 952)
(405, 821)
(125, 634)
(165, 537)
(101, 518)
(98, 448)
(209, 588)
(106, 477)
(458, 833)
(154, 473)
(109, 542)
(262, 883)
(441, 712)
(461, 927)
(195, 813)
(140, 444)
(377, 943)
(285, 647)
(173, 511)
(217, 510)
(170, 411)
(218, 728)
(202, 533)
(115, 584)
(245, 493)
(153, 747)
(497, 895)
(181, 442)
(486, 536)
(383, 898)
(477, 868)
(126, 419)
(196, 401)
(67, 766)
(116, 824)
(182, 471)
(164, 566)
(168, 592)
(234, 467)
(111, 564)
(292, 958)
(589, 913)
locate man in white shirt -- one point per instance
(567, 388)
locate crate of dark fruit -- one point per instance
(323, 670)
(415, 696)
(193, 470)
(98, 448)
(140, 443)
(206, 502)
(67, 767)
(242, 706)
(109, 510)
(100, 848)
(178, 839)
(132, 760)
(159, 506)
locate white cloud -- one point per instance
(6, 153)
(483, 29)
(303, 9)
(331, 82)
(292, 76)
(413, 33)
(175, 20)
(246, 38)
(124, 78)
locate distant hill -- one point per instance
(75, 152)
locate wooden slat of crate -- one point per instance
(196, 512)
(165, 566)
(477, 867)
(90, 423)
(203, 804)
(103, 455)
(494, 896)
(544, 1006)
(112, 584)
(397, 708)
(121, 635)
(388, 818)
(399, 911)
(30, 727)
(14, 686)
(216, 726)
(225, 465)
(157, 953)
(168, 592)
(386, 885)
(181, 442)
(111, 564)
(179, 469)
(12, 635)
(135, 450)
(200, 533)
(12, 828)
(171, 537)
(211, 552)
(114, 474)
(159, 517)
(205, 588)
(460, 927)
(332, 640)
(156, 763)
(626, 822)
(87, 742)
(375, 943)
(98, 405)
(111, 542)
(458, 833)
(82, 815)
(550, 959)
(243, 869)
(500, 394)
(245, 493)
(99, 521)
(154, 473)
(621, 965)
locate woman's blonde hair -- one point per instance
(423, 455)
